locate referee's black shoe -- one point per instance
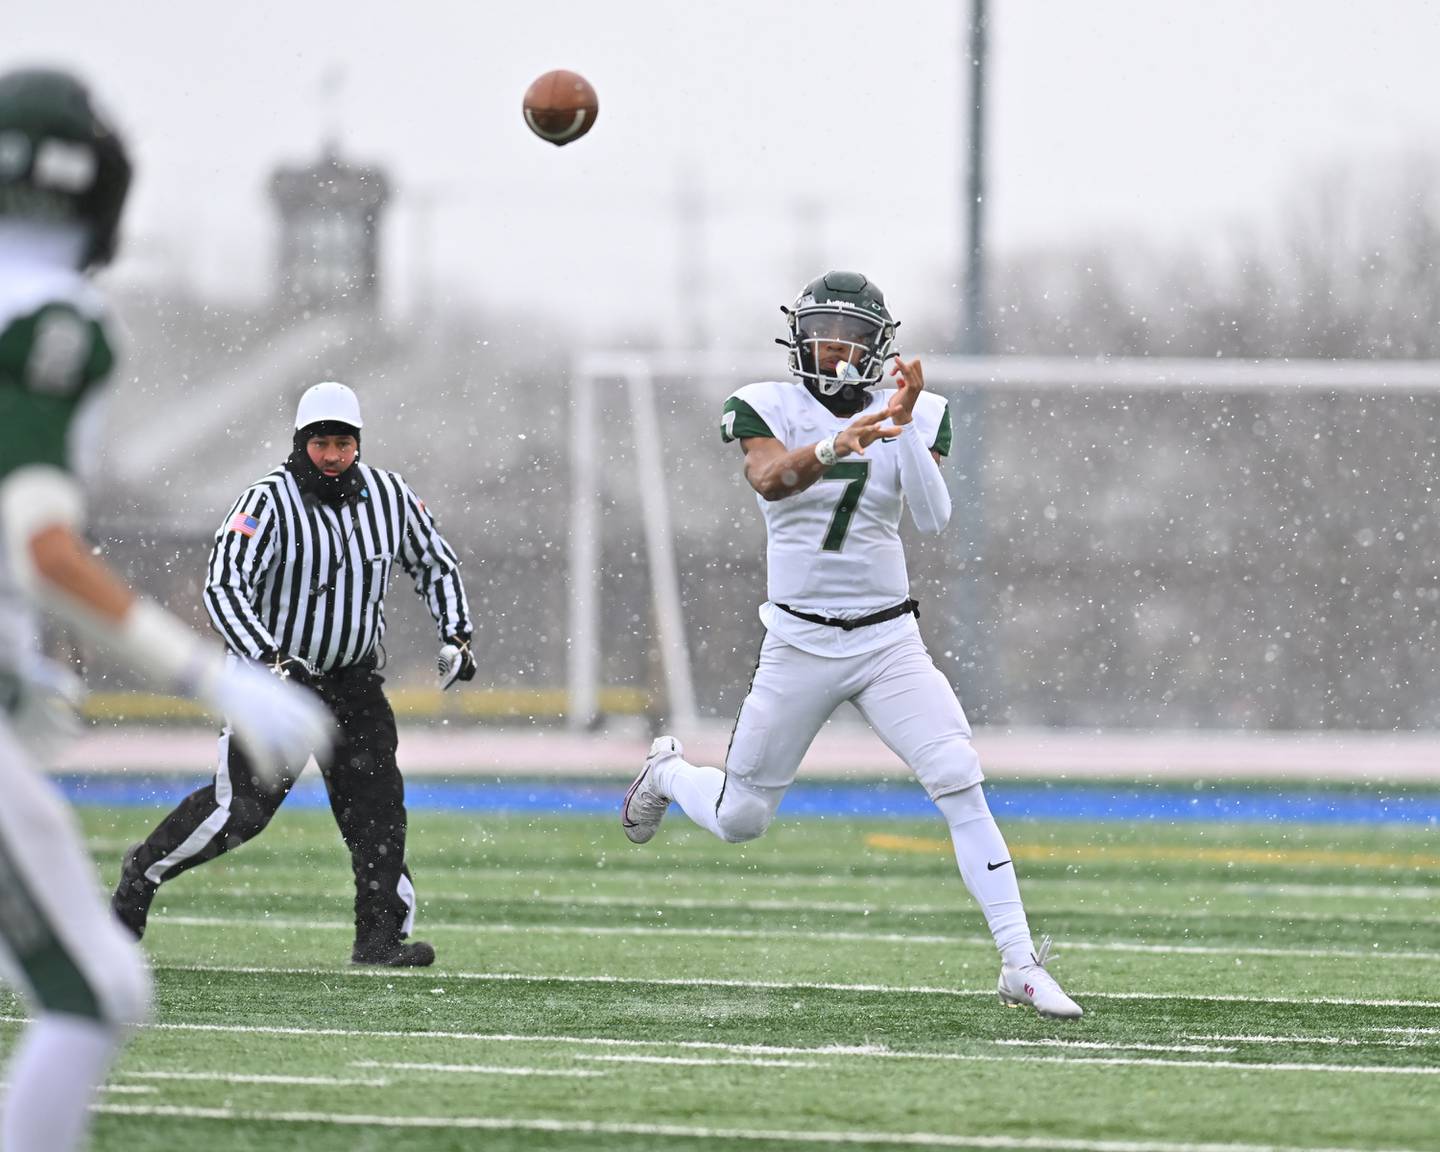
(131, 902)
(394, 953)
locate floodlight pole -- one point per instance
(973, 337)
(973, 603)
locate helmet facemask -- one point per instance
(834, 345)
(839, 352)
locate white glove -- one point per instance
(45, 715)
(279, 724)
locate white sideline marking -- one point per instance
(1411, 1031)
(839, 907)
(1101, 1046)
(866, 1050)
(772, 985)
(1227, 1065)
(773, 934)
(1328, 1041)
(1328, 891)
(695, 1132)
(258, 1078)
(1068, 885)
(474, 1069)
(701, 1061)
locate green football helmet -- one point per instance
(841, 334)
(60, 159)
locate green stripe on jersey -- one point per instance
(942, 437)
(740, 421)
(49, 360)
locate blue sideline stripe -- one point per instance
(1134, 803)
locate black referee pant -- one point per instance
(367, 796)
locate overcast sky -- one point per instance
(816, 132)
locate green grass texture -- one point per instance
(830, 985)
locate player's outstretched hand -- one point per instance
(864, 431)
(279, 723)
(909, 384)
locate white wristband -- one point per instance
(825, 451)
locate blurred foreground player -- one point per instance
(63, 179)
(833, 460)
(297, 583)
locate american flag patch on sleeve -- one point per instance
(244, 523)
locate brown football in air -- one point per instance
(561, 106)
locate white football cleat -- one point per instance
(645, 804)
(1034, 986)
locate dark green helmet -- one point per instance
(841, 334)
(60, 159)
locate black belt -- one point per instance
(905, 609)
(365, 664)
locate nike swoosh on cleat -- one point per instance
(991, 867)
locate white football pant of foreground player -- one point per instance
(84, 980)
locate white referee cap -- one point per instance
(328, 401)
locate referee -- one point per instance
(297, 582)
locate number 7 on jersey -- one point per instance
(854, 473)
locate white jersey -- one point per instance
(834, 549)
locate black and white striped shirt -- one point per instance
(309, 578)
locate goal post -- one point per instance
(1157, 543)
(585, 552)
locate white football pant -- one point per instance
(899, 692)
(911, 706)
(84, 979)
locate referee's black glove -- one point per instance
(291, 668)
(455, 662)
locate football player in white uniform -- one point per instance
(834, 460)
(63, 179)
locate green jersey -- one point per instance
(54, 356)
(54, 352)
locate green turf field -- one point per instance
(830, 985)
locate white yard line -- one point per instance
(864, 1050)
(1223, 1065)
(781, 985)
(475, 1069)
(1100, 1046)
(771, 934)
(1325, 1041)
(702, 1061)
(1153, 1062)
(1410, 1031)
(837, 907)
(258, 1078)
(1325, 891)
(551, 877)
(696, 1132)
